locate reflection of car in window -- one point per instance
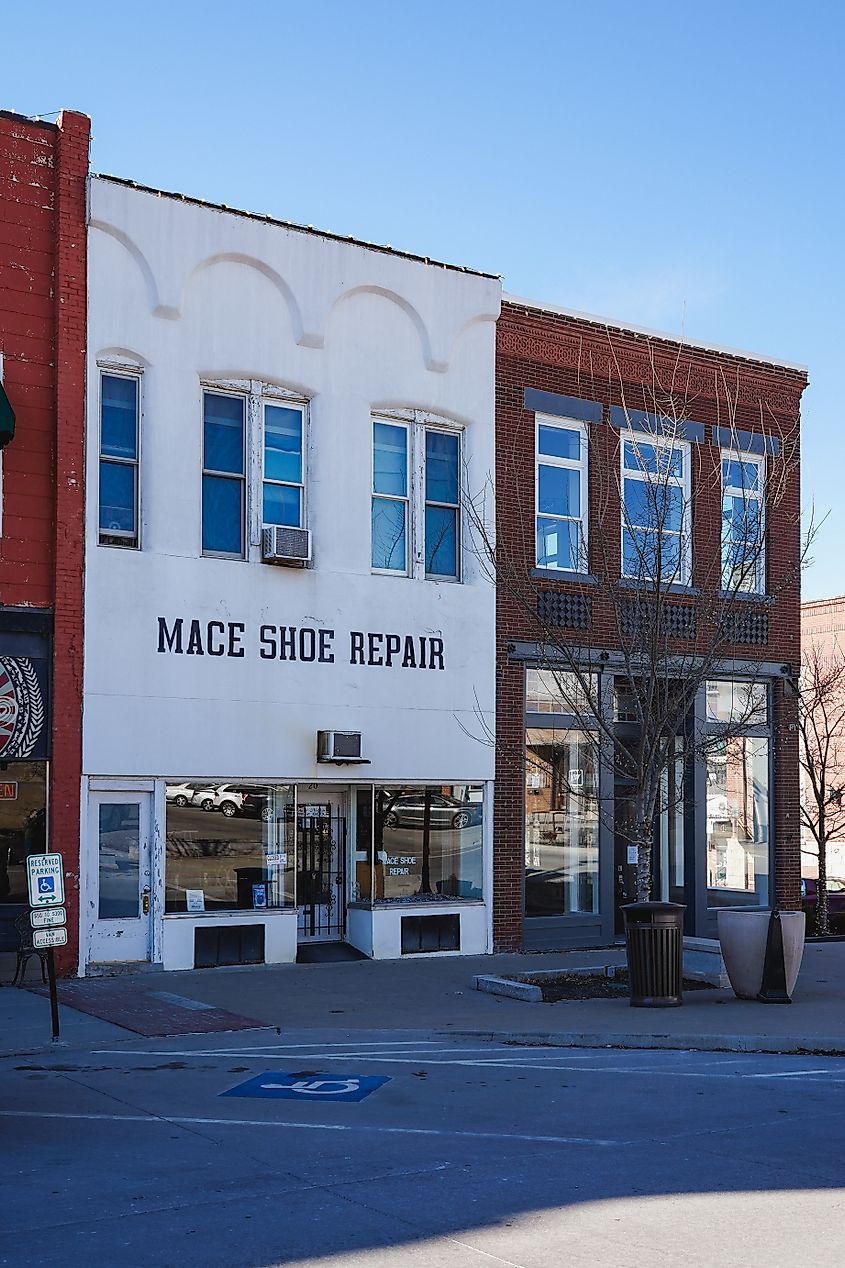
(409, 811)
(181, 794)
(230, 800)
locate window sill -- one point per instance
(408, 576)
(743, 597)
(231, 913)
(675, 587)
(406, 904)
(563, 574)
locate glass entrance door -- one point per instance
(119, 828)
(321, 866)
(667, 855)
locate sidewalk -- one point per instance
(437, 995)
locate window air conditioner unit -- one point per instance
(340, 747)
(283, 545)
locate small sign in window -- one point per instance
(8, 790)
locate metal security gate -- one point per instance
(321, 873)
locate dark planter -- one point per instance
(654, 943)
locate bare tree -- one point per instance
(821, 725)
(651, 488)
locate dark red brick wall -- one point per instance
(582, 358)
(43, 172)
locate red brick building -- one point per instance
(43, 172)
(583, 408)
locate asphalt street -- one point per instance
(468, 1153)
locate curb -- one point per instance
(808, 1045)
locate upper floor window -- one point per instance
(119, 492)
(223, 475)
(416, 518)
(390, 497)
(743, 562)
(655, 480)
(561, 495)
(283, 492)
(442, 503)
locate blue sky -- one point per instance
(668, 164)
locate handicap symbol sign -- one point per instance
(46, 884)
(309, 1085)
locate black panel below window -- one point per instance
(228, 944)
(430, 933)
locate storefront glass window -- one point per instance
(558, 691)
(738, 822)
(561, 823)
(738, 703)
(427, 842)
(229, 846)
(23, 824)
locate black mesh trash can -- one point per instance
(654, 941)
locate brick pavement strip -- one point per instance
(146, 1012)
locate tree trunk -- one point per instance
(425, 874)
(822, 907)
(645, 838)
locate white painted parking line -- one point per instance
(507, 1057)
(286, 1052)
(183, 1120)
(789, 1074)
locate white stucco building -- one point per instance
(245, 376)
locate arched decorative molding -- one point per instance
(477, 320)
(253, 380)
(143, 264)
(431, 414)
(124, 358)
(308, 339)
(407, 308)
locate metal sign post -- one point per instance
(54, 997)
(47, 917)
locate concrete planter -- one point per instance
(742, 937)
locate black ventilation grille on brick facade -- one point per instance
(677, 620)
(568, 611)
(746, 627)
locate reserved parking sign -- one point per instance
(46, 880)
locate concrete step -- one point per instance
(703, 961)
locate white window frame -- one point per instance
(405, 501)
(417, 424)
(420, 438)
(672, 443)
(579, 464)
(758, 580)
(209, 389)
(135, 375)
(284, 403)
(255, 393)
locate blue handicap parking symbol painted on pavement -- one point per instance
(46, 884)
(309, 1085)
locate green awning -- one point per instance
(7, 418)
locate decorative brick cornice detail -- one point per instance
(628, 368)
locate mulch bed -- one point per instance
(560, 986)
